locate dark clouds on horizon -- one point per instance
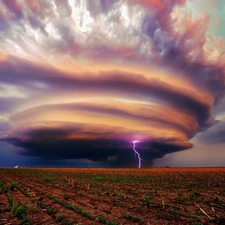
(53, 144)
(76, 76)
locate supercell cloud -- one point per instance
(84, 79)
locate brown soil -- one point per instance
(113, 196)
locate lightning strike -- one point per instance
(136, 153)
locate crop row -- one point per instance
(179, 197)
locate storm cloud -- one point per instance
(85, 79)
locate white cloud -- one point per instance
(11, 91)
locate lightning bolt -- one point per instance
(138, 155)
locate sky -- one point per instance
(87, 82)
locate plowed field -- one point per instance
(112, 196)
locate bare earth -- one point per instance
(112, 196)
